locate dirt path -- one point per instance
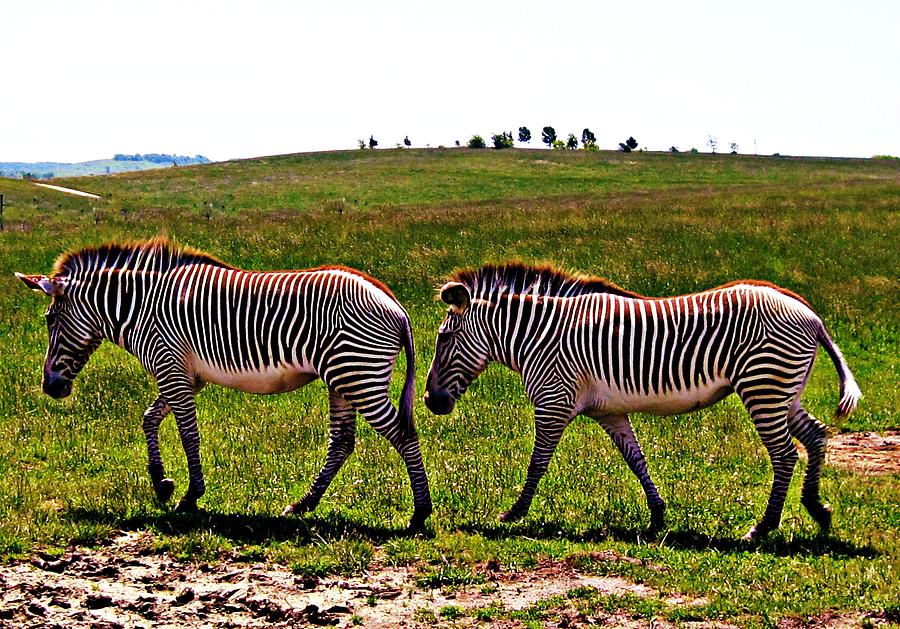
(79, 193)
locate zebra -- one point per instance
(191, 319)
(585, 346)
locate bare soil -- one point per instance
(865, 452)
(125, 584)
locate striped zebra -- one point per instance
(191, 319)
(584, 345)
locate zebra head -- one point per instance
(73, 335)
(460, 352)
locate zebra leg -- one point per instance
(812, 434)
(153, 417)
(549, 425)
(340, 444)
(381, 414)
(178, 392)
(622, 434)
(770, 418)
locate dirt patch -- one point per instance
(125, 584)
(866, 452)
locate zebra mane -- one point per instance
(156, 254)
(491, 282)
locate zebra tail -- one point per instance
(850, 392)
(409, 386)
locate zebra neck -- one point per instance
(122, 300)
(519, 327)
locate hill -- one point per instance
(120, 163)
(75, 470)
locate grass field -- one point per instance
(659, 224)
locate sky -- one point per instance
(84, 79)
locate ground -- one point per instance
(127, 584)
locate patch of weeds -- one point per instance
(452, 612)
(402, 552)
(424, 616)
(638, 606)
(491, 612)
(356, 620)
(539, 610)
(346, 556)
(89, 533)
(196, 546)
(489, 588)
(445, 576)
(251, 553)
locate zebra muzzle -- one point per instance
(439, 402)
(56, 387)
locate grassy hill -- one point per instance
(655, 223)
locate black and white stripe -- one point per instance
(190, 320)
(586, 346)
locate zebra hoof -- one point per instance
(823, 519)
(187, 505)
(164, 489)
(511, 516)
(417, 521)
(756, 533)
(304, 506)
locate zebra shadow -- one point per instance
(244, 528)
(776, 544)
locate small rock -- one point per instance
(60, 602)
(97, 601)
(338, 609)
(184, 597)
(36, 609)
(7, 613)
(307, 583)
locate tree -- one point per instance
(674, 149)
(372, 142)
(713, 143)
(548, 135)
(734, 148)
(524, 134)
(406, 142)
(571, 142)
(476, 142)
(362, 144)
(628, 145)
(588, 138)
(502, 140)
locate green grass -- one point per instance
(74, 471)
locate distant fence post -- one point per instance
(1, 212)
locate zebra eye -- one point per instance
(445, 336)
(51, 318)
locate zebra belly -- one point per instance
(272, 379)
(601, 399)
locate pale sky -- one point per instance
(84, 79)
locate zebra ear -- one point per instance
(49, 285)
(456, 295)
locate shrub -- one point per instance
(476, 142)
(502, 140)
